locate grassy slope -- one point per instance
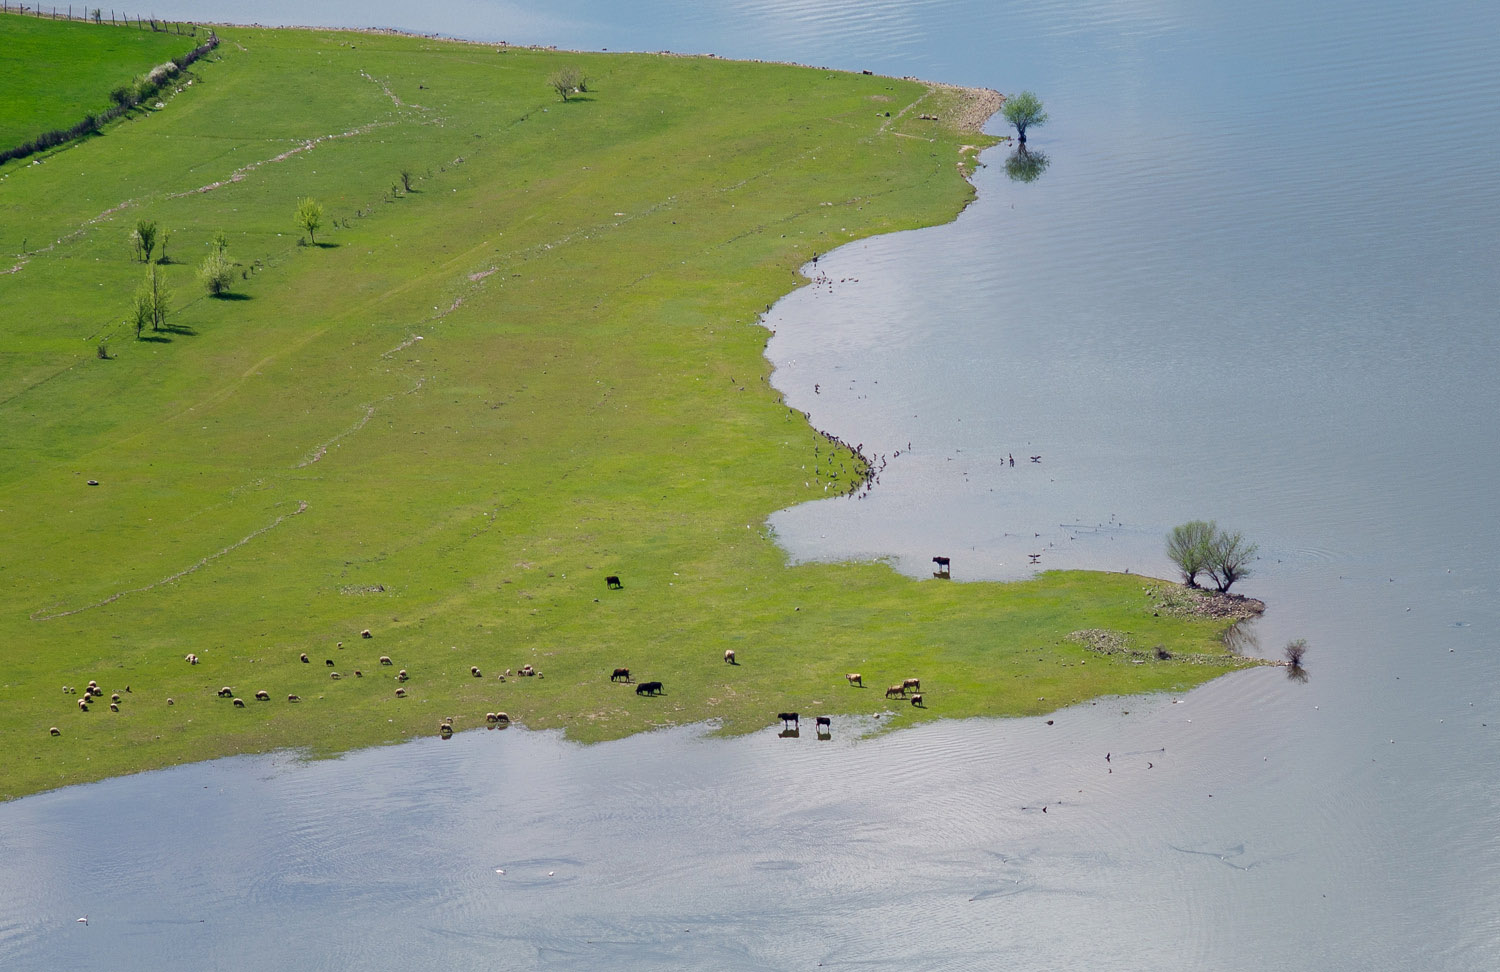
(54, 72)
(596, 404)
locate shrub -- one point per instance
(216, 273)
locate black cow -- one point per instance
(791, 717)
(824, 724)
(613, 582)
(619, 674)
(942, 565)
(648, 688)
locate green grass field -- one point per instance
(53, 72)
(448, 421)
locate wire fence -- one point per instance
(101, 15)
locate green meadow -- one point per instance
(450, 418)
(53, 72)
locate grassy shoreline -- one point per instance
(452, 418)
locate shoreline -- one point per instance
(499, 580)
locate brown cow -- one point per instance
(916, 700)
(912, 683)
(729, 657)
(855, 678)
(895, 690)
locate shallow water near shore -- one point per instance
(1255, 283)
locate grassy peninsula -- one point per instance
(467, 404)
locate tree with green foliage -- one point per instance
(567, 81)
(1187, 547)
(151, 301)
(1229, 556)
(220, 242)
(216, 273)
(310, 217)
(166, 237)
(1024, 111)
(143, 238)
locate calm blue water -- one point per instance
(1257, 283)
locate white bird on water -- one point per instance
(84, 919)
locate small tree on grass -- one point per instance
(310, 217)
(1187, 547)
(216, 273)
(166, 237)
(406, 179)
(151, 301)
(567, 81)
(1024, 111)
(143, 239)
(220, 242)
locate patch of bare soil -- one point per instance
(1180, 601)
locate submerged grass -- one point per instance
(471, 402)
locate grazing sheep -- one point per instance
(190, 658)
(115, 697)
(328, 662)
(55, 731)
(474, 670)
(400, 693)
(239, 703)
(729, 657)
(366, 634)
(169, 701)
(93, 685)
(262, 696)
(855, 678)
(334, 675)
(912, 683)
(358, 673)
(385, 659)
(294, 698)
(446, 728)
(917, 700)
(401, 676)
(114, 707)
(226, 692)
(303, 656)
(501, 717)
(489, 717)
(527, 670)
(896, 690)
(83, 705)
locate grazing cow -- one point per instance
(239, 703)
(895, 690)
(823, 724)
(400, 693)
(620, 673)
(648, 688)
(294, 698)
(262, 696)
(786, 717)
(55, 731)
(729, 657)
(855, 678)
(328, 662)
(942, 565)
(912, 683)
(613, 583)
(366, 634)
(474, 670)
(226, 692)
(385, 659)
(916, 700)
(303, 656)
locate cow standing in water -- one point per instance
(824, 725)
(942, 566)
(791, 717)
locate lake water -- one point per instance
(1257, 282)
